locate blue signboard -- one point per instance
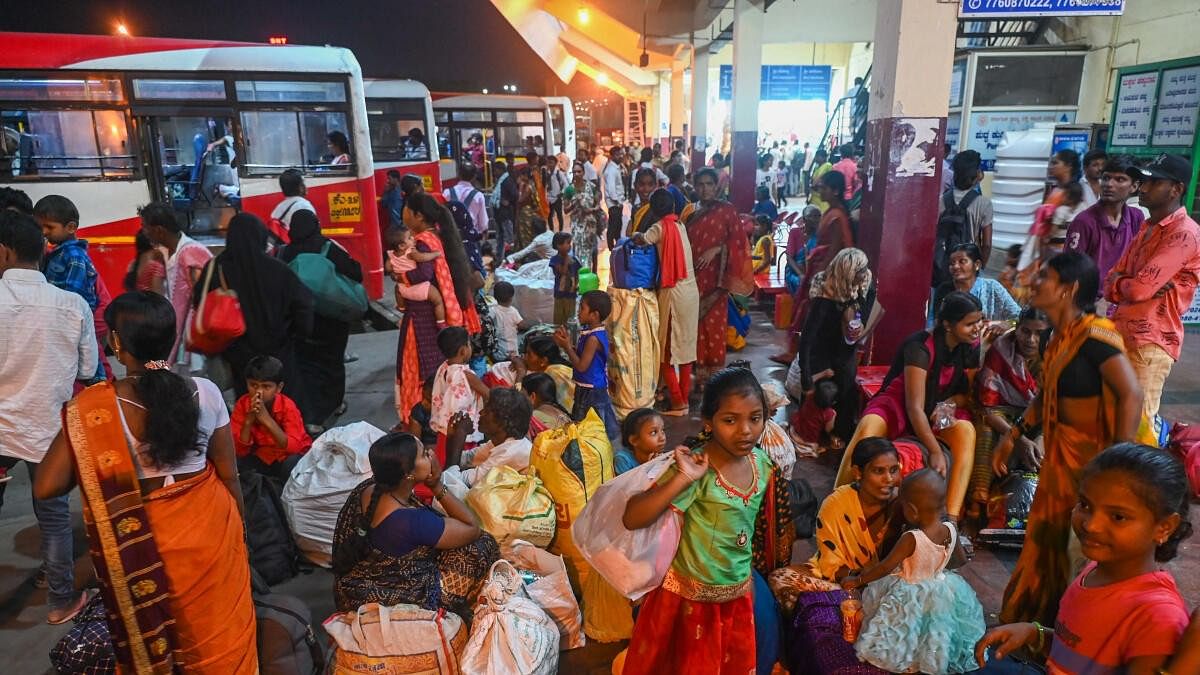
(1077, 140)
(980, 9)
(784, 83)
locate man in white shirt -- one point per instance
(291, 183)
(47, 342)
(464, 191)
(556, 182)
(539, 248)
(614, 193)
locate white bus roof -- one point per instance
(376, 88)
(489, 102)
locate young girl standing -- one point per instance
(701, 620)
(1122, 613)
(919, 617)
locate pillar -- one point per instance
(747, 79)
(699, 121)
(666, 98)
(678, 106)
(906, 127)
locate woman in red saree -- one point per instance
(720, 241)
(153, 456)
(833, 235)
(417, 354)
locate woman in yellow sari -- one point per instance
(853, 525)
(1090, 399)
(153, 456)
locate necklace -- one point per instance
(733, 491)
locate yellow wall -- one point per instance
(1150, 31)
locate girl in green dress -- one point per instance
(701, 619)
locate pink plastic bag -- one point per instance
(634, 562)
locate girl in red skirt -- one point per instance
(701, 620)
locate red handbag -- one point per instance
(218, 320)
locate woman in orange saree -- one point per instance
(417, 354)
(720, 241)
(1090, 399)
(153, 456)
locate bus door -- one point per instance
(190, 164)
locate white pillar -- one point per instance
(699, 124)
(678, 112)
(747, 79)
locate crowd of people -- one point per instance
(1055, 372)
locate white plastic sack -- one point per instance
(552, 592)
(455, 485)
(534, 286)
(322, 480)
(379, 639)
(510, 634)
(633, 562)
(778, 445)
(793, 384)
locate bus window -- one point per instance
(397, 129)
(66, 144)
(61, 89)
(291, 92)
(278, 140)
(272, 141)
(519, 140)
(180, 90)
(522, 116)
(556, 123)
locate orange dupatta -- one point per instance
(1045, 567)
(455, 314)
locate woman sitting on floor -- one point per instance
(854, 524)
(390, 548)
(931, 368)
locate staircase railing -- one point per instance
(842, 120)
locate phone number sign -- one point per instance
(980, 9)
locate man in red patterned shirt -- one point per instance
(1154, 282)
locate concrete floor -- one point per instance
(25, 639)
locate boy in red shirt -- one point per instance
(268, 431)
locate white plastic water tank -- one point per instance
(1018, 183)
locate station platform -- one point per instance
(25, 638)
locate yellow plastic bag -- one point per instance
(607, 615)
(634, 349)
(511, 505)
(572, 462)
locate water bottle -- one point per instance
(854, 328)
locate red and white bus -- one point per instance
(400, 118)
(115, 122)
(481, 128)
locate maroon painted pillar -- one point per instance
(747, 78)
(906, 127)
(896, 224)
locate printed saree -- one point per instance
(427, 577)
(718, 225)
(173, 564)
(1047, 564)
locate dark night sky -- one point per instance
(450, 45)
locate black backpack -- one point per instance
(287, 643)
(953, 228)
(804, 507)
(273, 552)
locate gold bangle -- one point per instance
(441, 493)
